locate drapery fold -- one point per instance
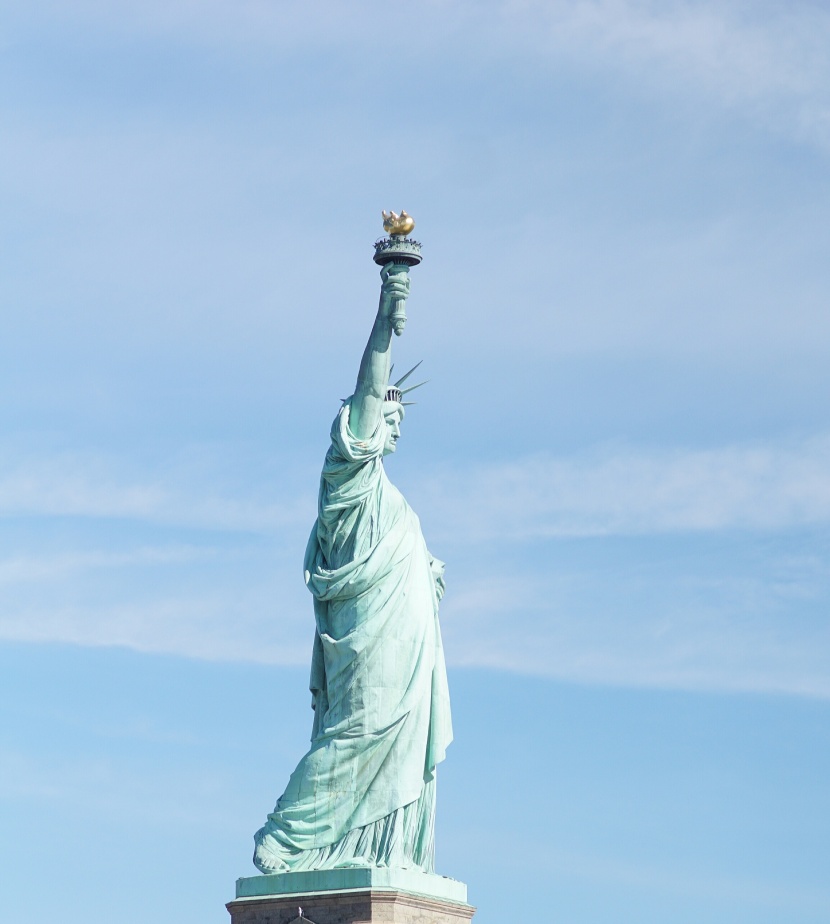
(364, 792)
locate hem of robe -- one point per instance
(404, 839)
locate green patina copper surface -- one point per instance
(344, 880)
(364, 794)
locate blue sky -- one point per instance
(623, 452)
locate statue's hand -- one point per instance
(438, 567)
(394, 287)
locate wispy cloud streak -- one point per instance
(659, 631)
(26, 568)
(579, 620)
(94, 488)
(767, 58)
(612, 490)
(619, 491)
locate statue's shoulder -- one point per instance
(347, 448)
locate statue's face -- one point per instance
(393, 432)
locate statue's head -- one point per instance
(393, 414)
(394, 408)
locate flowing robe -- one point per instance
(364, 792)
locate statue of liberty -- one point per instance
(364, 794)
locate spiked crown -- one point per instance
(394, 392)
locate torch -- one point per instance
(397, 252)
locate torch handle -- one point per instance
(397, 316)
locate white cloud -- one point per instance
(769, 58)
(94, 487)
(766, 59)
(229, 627)
(733, 635)
(620, 491)
(25, 568)
(735, 49)
(641, 628)
(676, 625)
(609, 491)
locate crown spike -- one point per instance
(413, 387)
(403, 378)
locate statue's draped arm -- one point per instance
(373, 377)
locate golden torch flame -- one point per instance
(398, 224)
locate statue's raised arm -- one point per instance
(373, 377)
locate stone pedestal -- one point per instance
(350, 896)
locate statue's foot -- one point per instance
(267, 857)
